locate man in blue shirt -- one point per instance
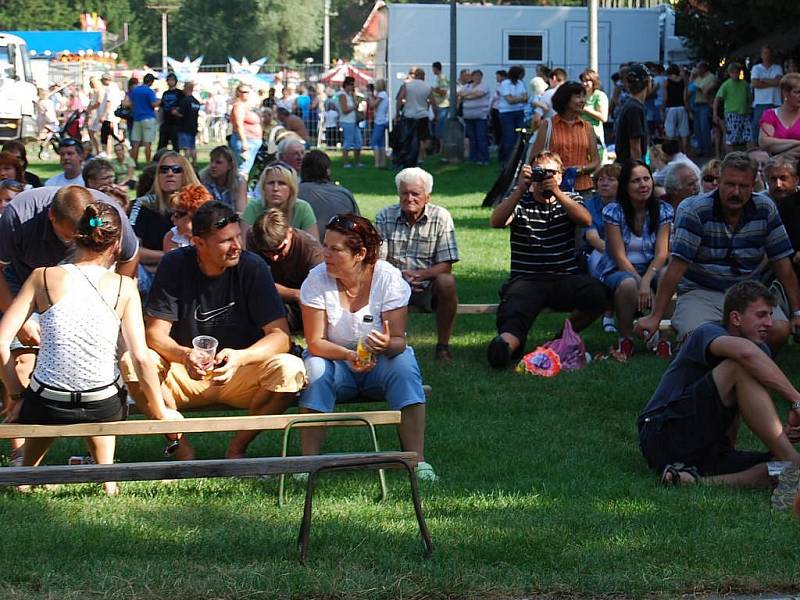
(143, 104)
(722, 375)
(721, 238)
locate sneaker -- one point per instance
(608, 325)
(626, 347)
(498, 353)
(425, 472)
(16, 458)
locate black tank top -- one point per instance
(674, 93)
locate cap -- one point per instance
(637, 72)
(105, 77)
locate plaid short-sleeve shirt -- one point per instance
(431, 240)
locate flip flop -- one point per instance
(674, 471)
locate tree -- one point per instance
(716, 28)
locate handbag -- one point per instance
(124, 112)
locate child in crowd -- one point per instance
(331, 124)
(184, 203)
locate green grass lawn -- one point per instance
(542, 490)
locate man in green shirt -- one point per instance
(734, 94)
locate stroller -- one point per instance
(506, 180)
(70, 129)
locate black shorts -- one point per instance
(694, 430)
(36, 410)
(423, 129)
(424, 299)
(107, 131)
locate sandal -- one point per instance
(671, 475)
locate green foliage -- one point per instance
(726, 25)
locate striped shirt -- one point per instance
(431, 240)
(542, 240)
(719, 257)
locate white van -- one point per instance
(18, 93)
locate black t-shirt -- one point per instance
(169, 100)
(233, 307)
(631, 123)
(149, 225)
(789, 210)
(33, 179)
(189, 107)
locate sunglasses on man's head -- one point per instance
(177, 169)
(224, 221)
(68, 143)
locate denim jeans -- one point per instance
(509, 123)
(245, 163)
(477, 134)
(702, 127)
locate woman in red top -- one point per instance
(247, 133)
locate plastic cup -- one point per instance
(205, 349)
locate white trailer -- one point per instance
(496, 37)
(18, 93)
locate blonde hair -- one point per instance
(290, 177)
(188, 177)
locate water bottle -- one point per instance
(365, 358)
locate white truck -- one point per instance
(18, 93)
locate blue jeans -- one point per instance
(509, 123)
(442, 114)
(477, 134)
(702, 127)
(244, 163)
(379, 135)
(397, 379)
(758, 110)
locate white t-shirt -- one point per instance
(331, 118)
(770, 95)
(111, 99)
(350, 103)
(61, 180)
(511, 89)
(388, 291)
(547, 98)
(382, 109)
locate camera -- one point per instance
(538, 175)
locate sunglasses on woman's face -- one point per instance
(176, 169)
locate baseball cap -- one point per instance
(637, 72)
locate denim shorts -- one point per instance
(187, 140)
(352, 136)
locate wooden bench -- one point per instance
(143, 471)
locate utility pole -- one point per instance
(164, 7)
(453, 135)
(326, 34)
(593, 42)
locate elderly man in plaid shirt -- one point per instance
(420, 240)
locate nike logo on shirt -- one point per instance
(202, 317)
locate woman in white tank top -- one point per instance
(83, 306)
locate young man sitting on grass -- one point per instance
(722, 374)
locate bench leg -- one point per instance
(291, 425)
(305, 526)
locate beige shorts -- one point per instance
(695, 307)
(144, 131)
(280, 373)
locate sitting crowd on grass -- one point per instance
(719, 263)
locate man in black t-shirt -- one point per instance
(631, 135)
(188, 109)
(170, 99)
(214, 288)
(722, 374)
(544, 268)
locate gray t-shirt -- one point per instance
(327, 200)
(693, 362)
(27, 239)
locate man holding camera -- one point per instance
(544, 268)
